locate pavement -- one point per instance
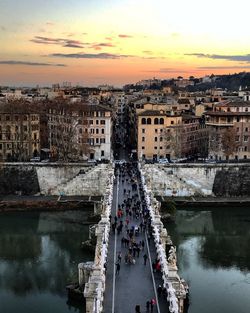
(136, 283)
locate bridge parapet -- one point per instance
(174, 285)
(95, 286)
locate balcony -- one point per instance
(220, 124)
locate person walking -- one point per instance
(145, 257)
(119, 257)
(118, 267)
(152, 303)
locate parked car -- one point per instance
(35, 159)
(120, 161)
(163, 161)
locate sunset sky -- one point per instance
(92, 42)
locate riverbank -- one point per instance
(47, 203)
(209, 202)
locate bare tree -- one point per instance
(228, 142)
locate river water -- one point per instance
(213, 253)
(39, 254)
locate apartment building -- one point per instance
(80, 131)
(229, 130)
(20, 137)
(164, 135)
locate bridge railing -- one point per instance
(174, 303)
(95, 286)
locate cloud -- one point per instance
(241, 58)
(58, 41)
(13, 62)
(99, 46)
(72, 45)
(109, 38)
(3, 28)
(223, 67)
(50, 23)
(165, 70)
(90, 55)
(147, 51)
(125, 36)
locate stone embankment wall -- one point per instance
(53, 178)
(198, 179)
(232, 182)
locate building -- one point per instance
(79, 131)
(229, 130)
(19, 132)
(164, 135)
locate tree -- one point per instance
(228, 142)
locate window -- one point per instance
(155, 148)
(161, 121)
(149, 121)
(1, 146)
(156, 139)
(143, 139)
(156, 130)
(156, 121)
(97, 131)
(102, 130)
(161, 139)
(102, 153)
(97, 122)
(245, 138)
(91, 122)
(172, 122)
(143, 130)
(237, 138)
(160, 148)
(97, 140)
(143, 147)
(143, 121)
(102, 140)
(102, 122)
(245, 148)
(246, 129)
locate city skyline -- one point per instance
(116, 42)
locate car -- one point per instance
(92, 161)
(119, 161)
(35, 159)
(163, 161)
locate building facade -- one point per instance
(80, 132)
(229, 130)
(19, 134)
(161, 135)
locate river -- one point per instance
(39, 254)
(213, 253)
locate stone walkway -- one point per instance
(136, 283)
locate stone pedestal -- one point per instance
(84, 271)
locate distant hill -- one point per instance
(229, 82)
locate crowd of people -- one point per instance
(132, 224)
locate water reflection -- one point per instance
(39, 254)
(214, 257)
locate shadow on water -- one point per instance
(39, 254)
(214, 257)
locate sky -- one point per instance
(94, 42)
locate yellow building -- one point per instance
(164, 135)
(151, 131)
